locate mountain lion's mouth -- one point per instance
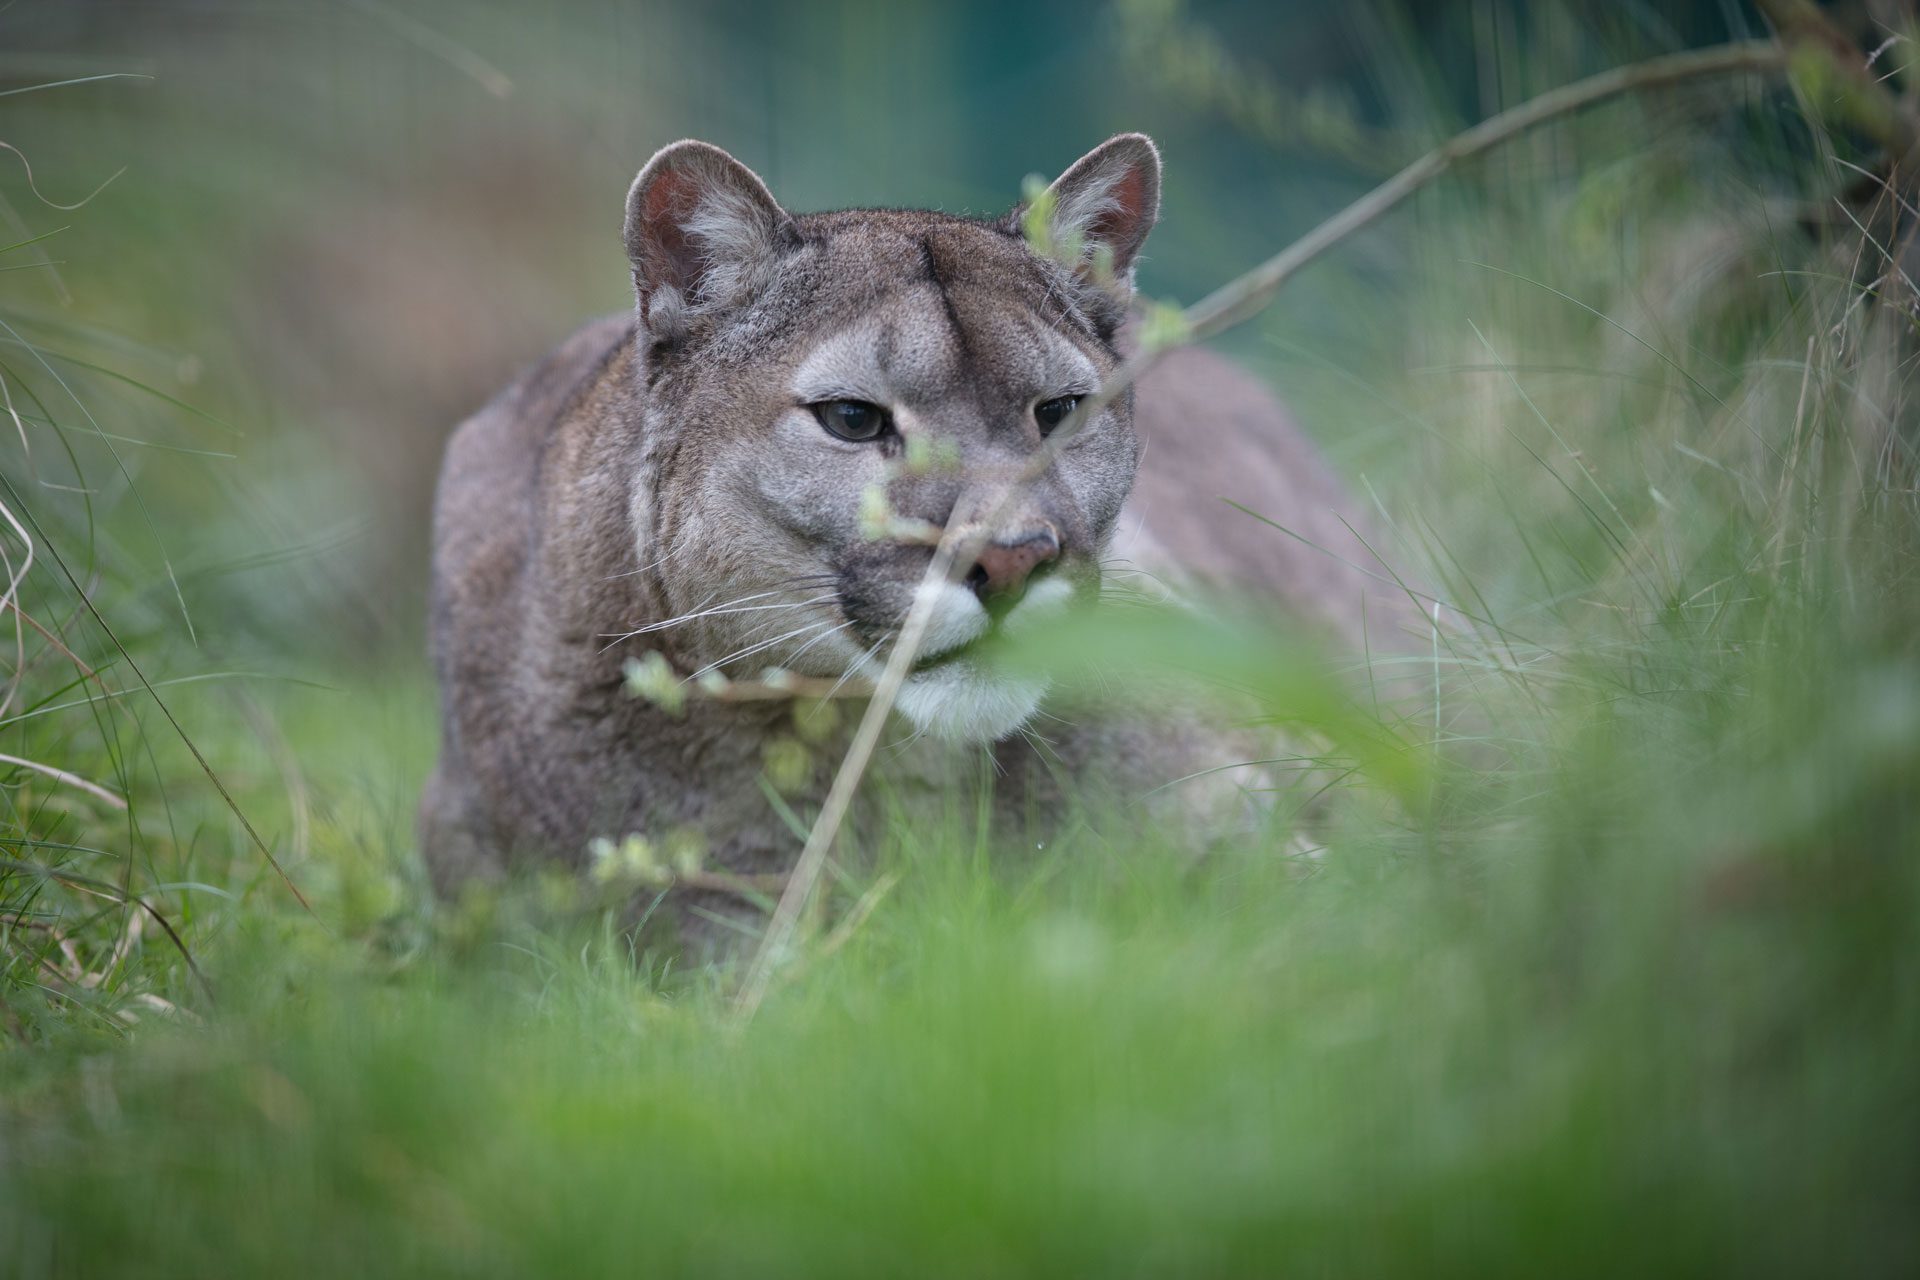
(954, 654)
(946, 657)
(956, 700)
(939, 660)
(966, 633)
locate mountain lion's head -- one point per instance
(797, 366)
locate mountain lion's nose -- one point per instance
(1000, 574)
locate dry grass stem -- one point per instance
(1234, 302)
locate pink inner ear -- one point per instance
(1131, 194)
(1119, 224)
(669, 199)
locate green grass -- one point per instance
(1609, 963)
(1652, 1017)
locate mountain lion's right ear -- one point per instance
(1109, 199)
(699, 226)
(1096, 216)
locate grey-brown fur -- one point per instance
(657, 464)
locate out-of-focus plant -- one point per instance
(1166, 48)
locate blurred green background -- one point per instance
(341, 226)
(1616, 969)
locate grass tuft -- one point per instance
(1596, 953)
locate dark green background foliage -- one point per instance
(1602, 958)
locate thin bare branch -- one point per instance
(71, 779)
(1234, 302)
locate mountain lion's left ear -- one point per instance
(1108, 201)
(699, 226)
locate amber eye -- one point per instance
(1051, 413)
(854, 420)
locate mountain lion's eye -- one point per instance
(853, 419)
(1051, 413)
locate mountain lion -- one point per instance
(688, 480)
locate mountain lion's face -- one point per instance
(800, 368)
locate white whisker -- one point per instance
(900, 747)
(752, 649)
(737, 605)
(852, 669)
(725, 609)
(825, 635)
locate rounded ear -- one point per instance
(699, 224)
(1107, 202)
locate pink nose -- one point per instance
(1003, 568)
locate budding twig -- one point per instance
(652, 677)
(1238, 300)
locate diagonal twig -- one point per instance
(1238, 300)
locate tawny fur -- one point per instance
(658, 465)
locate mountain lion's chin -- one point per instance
(963, 700)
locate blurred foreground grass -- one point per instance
(1622, 975)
